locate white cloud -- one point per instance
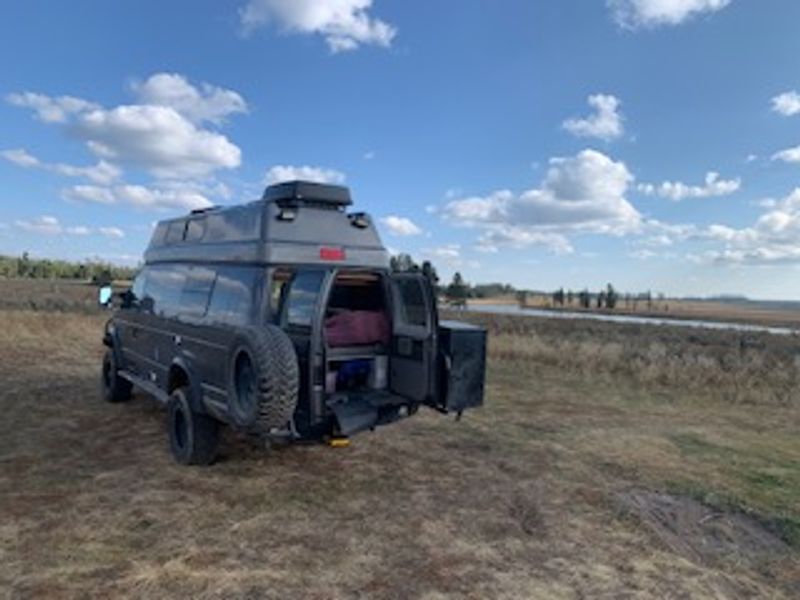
(583, 193)
(20, 157)
(401, 226)
(605, 123)
(103, 172)
(282, 173)
(78, 230)
(647, 14)
(158, 139)
(790, 155)
(89, 193)
(161, 198)
(51, 109)
(643, 254)
(171, 196)
(49, 225)
(520, 237)
(112, 232)
(45, 224)
(773, 239)
(164, 136)
(345, 24)
(787, 104)
(449, 255)
(676, 191)
(206, 103)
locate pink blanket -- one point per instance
(356, 327)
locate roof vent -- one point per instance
(307, 193)
(205, 209)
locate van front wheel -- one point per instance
(114, 387)
(193, 437)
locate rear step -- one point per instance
(358, 411)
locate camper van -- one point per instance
(282, 318)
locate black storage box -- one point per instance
(462, 348)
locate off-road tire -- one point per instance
(113, 387)
(266, 401)
(193, 437)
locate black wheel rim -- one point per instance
(245, 385)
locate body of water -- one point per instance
(512, 309)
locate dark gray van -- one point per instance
(282, 318)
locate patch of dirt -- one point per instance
(699, 532)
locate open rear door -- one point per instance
(412, 361)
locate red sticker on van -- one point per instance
(331, 253)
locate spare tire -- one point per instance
(264, 379)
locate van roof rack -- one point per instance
(307, 193)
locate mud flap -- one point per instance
(353, 413)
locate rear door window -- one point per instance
(301, 302)
(412, 306)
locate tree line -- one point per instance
(25, 267)
(608, 298)
(458, 291)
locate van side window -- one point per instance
(233, 225)
(279, 286)
(162, 290)
(175, 232)
(302, 300)
(137, 289)
(232, 296)
(413, 309)
(195, 229)
(197, 291)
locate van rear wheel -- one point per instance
(264, 379)
(193, 437)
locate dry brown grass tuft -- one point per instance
(518, 500)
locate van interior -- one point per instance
(357, 333)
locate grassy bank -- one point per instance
(608, 461)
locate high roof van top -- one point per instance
(294, 223)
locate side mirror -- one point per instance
(126, 299)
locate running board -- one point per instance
(146, 386)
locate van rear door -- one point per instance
(412, 359)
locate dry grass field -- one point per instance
(609, 462)
(50, 294)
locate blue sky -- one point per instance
(654, 144)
